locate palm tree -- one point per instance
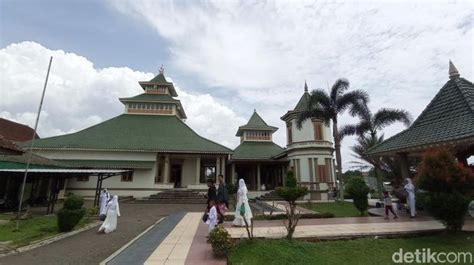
(367, 129)
(328, 107)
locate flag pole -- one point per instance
(31, 146)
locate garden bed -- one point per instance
(32, 229)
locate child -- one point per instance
(387, 200)
(212, 218)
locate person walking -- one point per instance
(222, 194)
(104, 199)
(387, 201)
(410, 189)
(211, 191)
(113, 212)
(242, 206)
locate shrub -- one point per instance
(71, 213)
(231, 188)
(448, 184)
(221, 241)
(358, 190)
(290, 193)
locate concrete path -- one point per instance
(92, 248)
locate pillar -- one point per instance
(218, 166)
(232, 174)
(166, 170)
(404, 165)
(198, 169)
(258, 177)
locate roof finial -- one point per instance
(453, 72)
(254, 110)
(162, 69)
(305, 87)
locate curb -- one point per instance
(49, 240)
(111, 257)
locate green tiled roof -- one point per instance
(108, 164)
(129, 132)
(302, 103)
(150, 98)
(160, 80)
(20, 161)
(449, 116)
(255, 123)
(256, 151)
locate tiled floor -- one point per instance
(174, 249)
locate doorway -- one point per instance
(175, 175)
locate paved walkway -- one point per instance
(186, 243)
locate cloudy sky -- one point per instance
(225, 57)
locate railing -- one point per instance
(318, 186)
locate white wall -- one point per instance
(306, 133)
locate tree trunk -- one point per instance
(337, 146)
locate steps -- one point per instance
(175, 197)
(271, 196)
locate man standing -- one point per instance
(222, 193)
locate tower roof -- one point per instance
(255, 123)
(302, 104)
(160, 80)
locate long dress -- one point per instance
(212, 220)
(410, 188)
(104, 198)
(242, 199)
(113, 211)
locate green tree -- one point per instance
(357, 191)
(367, 131)
(290, 193)
(449, 184)
(329, 107)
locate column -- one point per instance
(166, 170)
(232, 174)
(218, 166)
(198, 169)
(258, 177)
(404, 165)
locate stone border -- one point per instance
(116, 253)
(49, 240)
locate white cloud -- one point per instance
(262, 51)
(79, 95)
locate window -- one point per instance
(329, 169)
(318, 130)
(127, 176)
(322, 173)
(82, 178)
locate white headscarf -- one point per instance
(242, 186)
(409, 186)
(115, 202)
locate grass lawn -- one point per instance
(339, 209)
(32, 229)
(358, 251)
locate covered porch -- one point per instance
(259, 175)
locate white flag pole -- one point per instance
(31, 146)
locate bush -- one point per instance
(221, 241)
(71, 213)
(358, 190)
(290, 193)
(448, 184)
(231, 188)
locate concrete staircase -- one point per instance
(175, 197)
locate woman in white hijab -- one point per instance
(113, 211)
(410, 189)
(242, 200)
(104, 198)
